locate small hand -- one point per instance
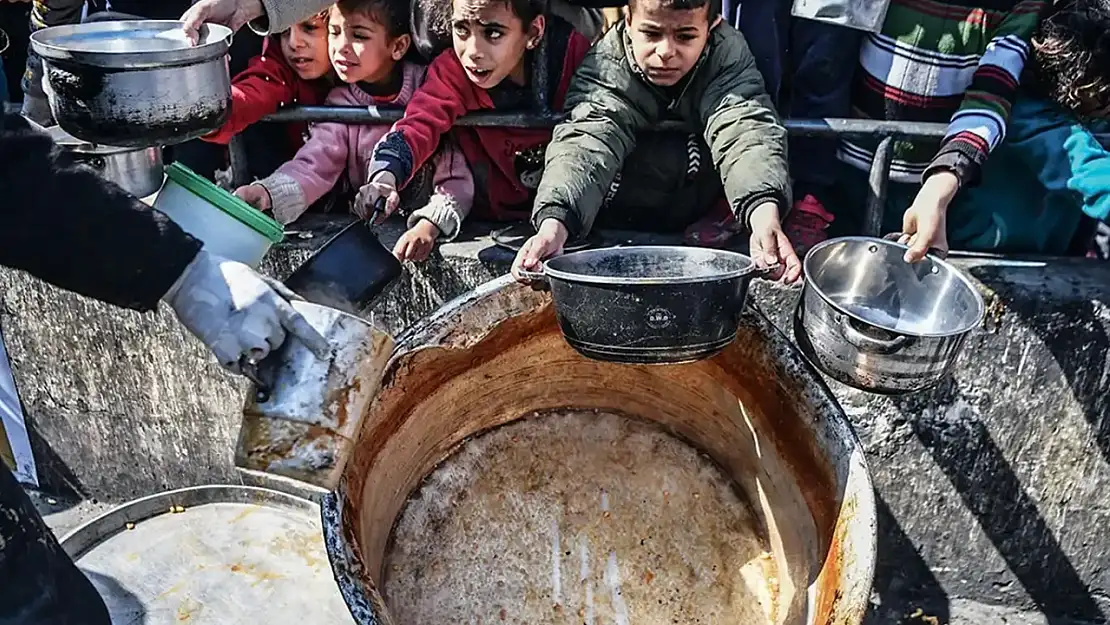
(417, 242)
(381, 186)
(770, 246)
(924, 224)
(548, 242)
(256, 195)
(231, 13)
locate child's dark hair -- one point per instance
(393, 14)
(685, 5)
(1071, 57)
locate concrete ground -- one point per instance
(64, 515)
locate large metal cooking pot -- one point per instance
(871, 320)
(139, 171)
(648, 304)
(135, 83)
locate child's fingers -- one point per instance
(920, 242)
(400, 250)
(392, 201)
(792, 265)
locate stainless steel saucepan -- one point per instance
(871, 320)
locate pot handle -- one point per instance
(763, 272)
(262, 389)
(870, 344)
(533, 276)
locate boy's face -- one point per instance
(490, 41)
(305, 47)
(361, 48)
(666, 43)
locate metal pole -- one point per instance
(237, 154)
(877, 181)
(539, 73)
(828, 127)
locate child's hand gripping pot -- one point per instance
(770, 247)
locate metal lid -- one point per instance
(130, 44)
(228, 203)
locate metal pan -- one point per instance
(348, 271)
(210, 555)
(649, 304)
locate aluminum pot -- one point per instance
(139, 171)
(303, 414)
(648, 304)
(135, 83)
(871, 320)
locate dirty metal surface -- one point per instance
(210, 555)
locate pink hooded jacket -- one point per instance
(332, 148)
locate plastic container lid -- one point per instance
(228, 203)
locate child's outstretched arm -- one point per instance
(976, 128)
(290, 190)
(748, 144)
(445, 96)
(452, 193)
(255, 93)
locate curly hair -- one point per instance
(1071, 57)
(393, 14)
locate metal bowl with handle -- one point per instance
(139, 171)
(871, 320)
(135, 83)
(648, 304)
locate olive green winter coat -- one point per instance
(610, 102)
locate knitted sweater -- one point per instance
(333, 148)
(954, 61)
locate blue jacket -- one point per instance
(1036, 185)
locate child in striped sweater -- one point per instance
(954, 61)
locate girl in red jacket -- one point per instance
(491, 68)
(293, 68)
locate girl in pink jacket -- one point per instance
(367, 40)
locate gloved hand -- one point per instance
(238, 313)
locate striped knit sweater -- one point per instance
(943, 61)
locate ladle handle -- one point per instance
(262, 389)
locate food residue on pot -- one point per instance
(578, 517)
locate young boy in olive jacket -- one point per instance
(669, 59)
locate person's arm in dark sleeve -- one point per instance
(63, 224)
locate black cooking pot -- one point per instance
(648, 304)
(349, 271)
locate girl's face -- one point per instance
(361, 49)
(305, 48)
(490, 41)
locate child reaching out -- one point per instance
(490, 68)
(367, 40)
(1051, 174)
(948, 61)
(292, 69)
(669, 58)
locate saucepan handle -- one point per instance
(932, 251)
(535, 277)
(763, 272)
(868, 343)
(262, 389)
(379, 206)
